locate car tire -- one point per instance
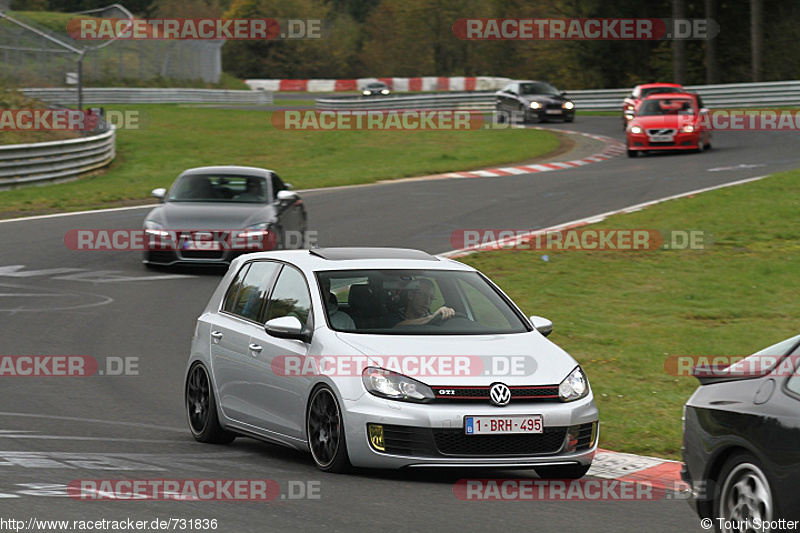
(562, 471)
(325, 431)
(500, 116)
(743, 487)
(632, 153)
(201, 408)
(708, 146)
(570, 118)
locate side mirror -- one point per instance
(286, 196)
(542, 325)
(563, 93)
(287, 327)
(159, 193)
(289, 186)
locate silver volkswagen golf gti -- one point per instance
(385, 358)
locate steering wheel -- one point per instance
(438, 320)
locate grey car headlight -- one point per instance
(574, 387)
(154, 228)
(568, 105)
(536, 105)
(393, 386)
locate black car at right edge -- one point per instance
(741, 442)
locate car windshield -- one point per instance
(660, 90)
(404, 302)
(537, 88)
(377, 86)
(219, 188)
(676, 106)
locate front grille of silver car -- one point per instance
(538, 393)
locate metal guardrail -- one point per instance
(35, 163)
(123, 95)
(735, 95)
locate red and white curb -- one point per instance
(423, 83)
(659, 473)
(613, 149)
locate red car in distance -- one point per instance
(669, 121)
(632, 102)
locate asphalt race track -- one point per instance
(54, 301)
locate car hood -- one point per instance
(543, 98)
(665, 121)
(543, 362)
(211, 215)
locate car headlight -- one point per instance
(536, 105)
(393, 386)
(687, 128)
(574, 387)
(567, 105)
(154, 228)
(385, 91)
(366, 93)
(636, 129)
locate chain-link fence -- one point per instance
(34, 55)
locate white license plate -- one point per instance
(553, 111)
(661, 138)
(503, 425)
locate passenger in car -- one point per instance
(339, 319)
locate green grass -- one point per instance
(621, 314)
(177, 138)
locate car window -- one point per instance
(658, 107)
(246, 294)
(219, 188)
(538, 88)
(290, 297)
(384, 301)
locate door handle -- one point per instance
(255, 348)
(216, 335)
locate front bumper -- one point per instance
(681, 141)
(174, 257)
(432, 435)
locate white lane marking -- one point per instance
(100, 439)
(48, 295)
(114, 276)
(735, 167)
(77, 213)
(13, 271)
(593, 219)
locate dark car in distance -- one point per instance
(211, 215)
(533, 101)
(740, 441)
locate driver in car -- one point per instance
(417, 311)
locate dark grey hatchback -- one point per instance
(211, 215)
(533, 101)
(741, 439)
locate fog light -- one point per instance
(375, 433)
(595, 427)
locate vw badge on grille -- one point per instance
(500, 394)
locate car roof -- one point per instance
(656, 85)
(228, 169)
(319, 259)
(671, 96)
